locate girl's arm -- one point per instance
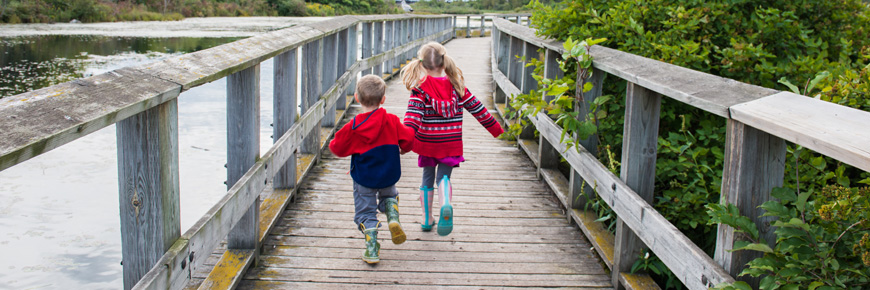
(416, 109)
(476, 108)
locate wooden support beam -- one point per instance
(580, 189)
(639, 147)
(284, 107)
(482, 26)
(378, 45)
(148, 188)
(468, 26)
(344, 62)
(528, 82)
(311, 73)
(754, 165)
(367, 43)
(243, 148)
(328, 62)
(388, 45)
(352, 57)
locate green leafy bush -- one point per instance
(753, 41)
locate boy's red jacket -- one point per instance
(373, 139)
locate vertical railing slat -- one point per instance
(579, 189)
(482, 26)
(311, 73)
(388, 44)
(284, 108)
(754, 165)
(367, 44)
(378, 45)
(468, 26)
(243, 148)
(343, 58)
(640, 138)
(329, 64)
(148, 188)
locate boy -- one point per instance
(375, 139)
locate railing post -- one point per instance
(454, 26)
(243, 148)
(579, 189)
(482, 25)
(640, 138)
(378, 46)
(515, 72)
(367, 44)
(327, 79)
(284, 112)
(148, 188)
(468, 26)
(754, 165)
(352, 44)
(311, 74)
(388, 43)
(343, 59)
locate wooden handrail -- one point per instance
(142, 100)
(759, 121)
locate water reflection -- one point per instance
(59, 210)
(32, 62)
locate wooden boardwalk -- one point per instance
(509, 231)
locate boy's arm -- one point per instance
(414, 114)
(406, 137)
(340, 145)
(476, 108)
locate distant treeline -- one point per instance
(48, 11)
(470, 7)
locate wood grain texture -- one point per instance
(316, 244)
(830, 129)
(328, 76)
(148, 188)
(690, 264)
(36, 122)
(311, 81)
(639, 145)
(285, 111)
(378, 45)
(754, 165)
(243, 147)
(705, 91)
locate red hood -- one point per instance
(368, 125)
(440, 92)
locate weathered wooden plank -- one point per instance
(39, 121)
(639, 148)
(311, 74)
(579, 190)
(344, 62)
(830, 129)
(148, 188)
(281, 285)
(229, 270)
(328, 76)
(433, 266)
(243, 146)
(705, 91)
(388, 45)
(284, 107)
(378, 45)
(540, 229)
(689, 263)
(194, 69)
(414, 278)
(515, 72)
(565, 237)
(334, 24)
(367, 43)
(754, 165)
(529, 51)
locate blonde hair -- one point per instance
(370, 89)
(432, 56)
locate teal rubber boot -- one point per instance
(398, 235)
(372, 246)
(445, 219)
(427, 195)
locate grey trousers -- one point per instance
(367, 202)
(430, 172)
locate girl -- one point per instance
(438, 95)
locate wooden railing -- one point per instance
(759, 122)
(142, 101)
(520, 18)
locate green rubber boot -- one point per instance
(372, 246)
(396, 231)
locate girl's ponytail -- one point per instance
(413, 73)
(432, 56)
(454, 74)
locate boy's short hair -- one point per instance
(370, 89)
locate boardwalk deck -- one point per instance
(510, 230)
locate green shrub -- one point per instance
(754, 41)
(317, 9)
(291, 7)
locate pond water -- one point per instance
(59, 211)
